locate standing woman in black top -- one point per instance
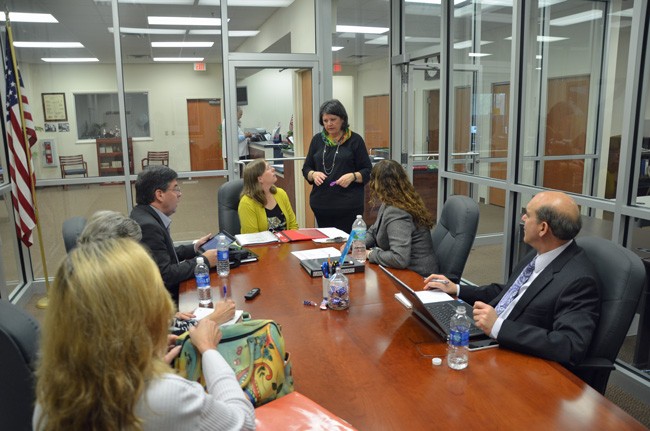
(337, 166)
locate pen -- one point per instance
(345, 250)
(438, 280)
(336, 239)
(225, 290)
(326, 270)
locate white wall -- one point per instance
(270, 99)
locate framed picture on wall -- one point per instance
(54, 108)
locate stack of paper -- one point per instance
(264, 237)
(317, 253)
(333, 235)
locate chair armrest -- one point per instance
(595, 363)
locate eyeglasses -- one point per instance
(176, 190)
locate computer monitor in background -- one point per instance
(275, 134)
(257, 133)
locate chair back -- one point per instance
(72, 228)
(227, 205)
(73, 165)
(161, 157)
(454, 235)
(19, 337)
(622, 279)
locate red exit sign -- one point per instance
(199, 67)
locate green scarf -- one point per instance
(327, 139)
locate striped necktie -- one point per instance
(512, 293)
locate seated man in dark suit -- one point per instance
(157, 195)
(550, 305)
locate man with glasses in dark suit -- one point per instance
(157, 195)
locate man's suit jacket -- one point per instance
(557, 315)
(157, 239)
(401, 244)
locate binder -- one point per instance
(300, 235)
(314, 267)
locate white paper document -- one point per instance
(333, 235)
(429, 296)
(317, 253)
(264, 237)
(201, 312)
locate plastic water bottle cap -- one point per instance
(436, 361)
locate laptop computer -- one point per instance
(242, 254)
(437, 315)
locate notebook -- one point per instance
(244, 255)
(437, 315)
(314, 267)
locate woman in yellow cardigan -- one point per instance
(263, 206)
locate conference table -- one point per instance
(371, 364)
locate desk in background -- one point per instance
(368, 364)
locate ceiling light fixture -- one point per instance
(48, 45)
(626, 13)
(70, 60)
(468, 44)
(360, 29)
(577, 18)
(135, 30)
(478, 54)
(231, 33)
(178, 59)
(547, 3)
(546, 39)
(250, 3)
(28, 17)
(337, 48)
(183, 20)
(161, 2)
(182, 44)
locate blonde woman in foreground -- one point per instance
(107, 371)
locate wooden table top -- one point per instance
(371, 364)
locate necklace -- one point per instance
(329, 171)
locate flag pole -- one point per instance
(43, 302)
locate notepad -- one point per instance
(202, 312)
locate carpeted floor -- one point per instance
(634, 407)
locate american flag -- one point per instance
(19, 171)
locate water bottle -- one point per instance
(339, 291)
(457, 353)
(202, 276)
(223, 258)
(359, 240)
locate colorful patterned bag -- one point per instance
(255, 351)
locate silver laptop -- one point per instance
(437, 315)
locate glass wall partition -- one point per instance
(62, 67)
(566, 56)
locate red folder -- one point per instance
(300, 235)
(296, 412)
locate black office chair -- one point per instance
(72, 228)
(622, 276)
(19, 336)
(454, 235)
(227, 204)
